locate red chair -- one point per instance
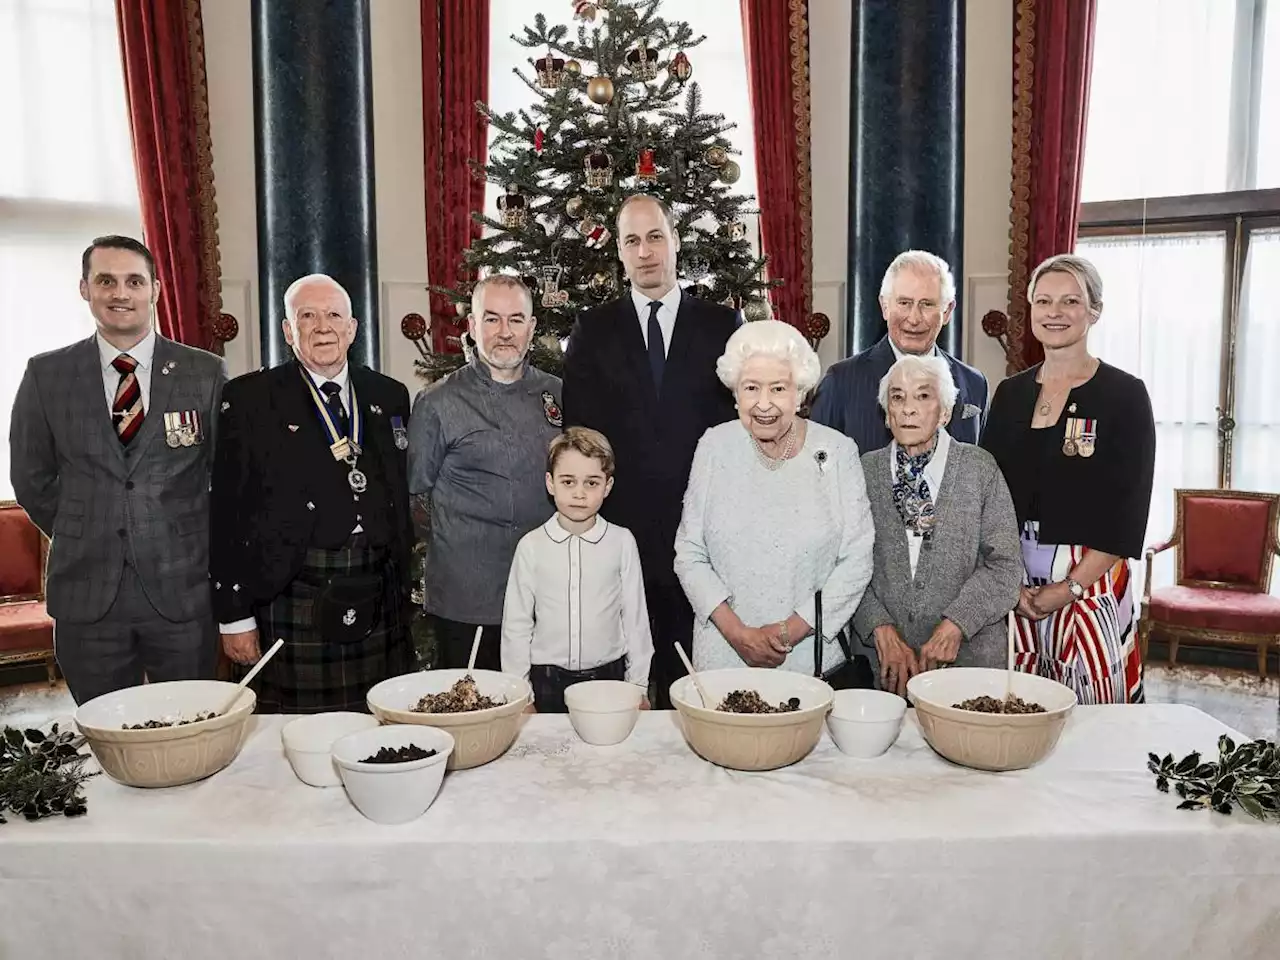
(26, 630)
(1227, 541)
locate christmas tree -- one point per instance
(614, 113)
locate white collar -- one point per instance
(594, 534)
(319, 381)
(142, 352)
(898, 354)
(670, 300)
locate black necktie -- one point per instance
(657, 356)
(333, 400)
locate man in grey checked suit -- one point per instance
(111, 445)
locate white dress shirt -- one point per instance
(898, 354)
(933, 474)
(249, 623)
(576, 601)
(666, 315)
(143, 352)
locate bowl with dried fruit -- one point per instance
(166, 734)
(759, 719)
(481, 708)
(393, 773)
(990, 719)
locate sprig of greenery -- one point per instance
(41, 774)
(1247, 776)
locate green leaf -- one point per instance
(1187, 764)
(14, 737)
(1252, 807)
(1226, 745)
(1189, 805)
(1162, 784)
(34, 736)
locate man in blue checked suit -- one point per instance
(917, 299)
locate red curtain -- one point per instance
(776, 35)
(455, 74)
(1052, 62)
(162, 43)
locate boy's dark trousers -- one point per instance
(549, 682)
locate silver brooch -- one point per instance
(377, 410)
(349, 617)
(225, 406)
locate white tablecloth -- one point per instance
(560, 849)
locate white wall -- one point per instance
(987, 160)
(397, 112)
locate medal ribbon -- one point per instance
(326, 420)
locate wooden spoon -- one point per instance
(697, 681)
(262, 662)
(475, 648)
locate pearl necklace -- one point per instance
(769, 462)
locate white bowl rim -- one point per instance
(246, 703)
(442, 748)
(618, 685)
(948, 711)
(292, 729)
(874, 696)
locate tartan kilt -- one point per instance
(310, 674)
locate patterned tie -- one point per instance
(126, 409)
(657, 355)
(333, 400)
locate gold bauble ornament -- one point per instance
(716, 156)
(756, 310)
(572, 67)
(600, 90)
(730, 172)
(573, 207)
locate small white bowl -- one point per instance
(865, 723)
(392, 792)
(308, 744)
(603, 712)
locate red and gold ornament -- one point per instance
(539, 139)
(680, 67)
(646, 169)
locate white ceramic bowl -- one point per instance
(865, 723)
(479, 736)
(746, 741)
(603, 712)
(308, 744)
(989, 741)
(165, 756)
(392, 792)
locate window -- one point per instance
(1181, 214)
(719, 68)
(66, 175)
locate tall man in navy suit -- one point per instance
(917, 298)
(642, 370)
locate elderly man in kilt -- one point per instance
(310, 515)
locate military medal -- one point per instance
(345, 449)
(171, 436)
(1069, 445)
(399, 433)
(1088, 438)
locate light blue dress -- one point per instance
(767, 540)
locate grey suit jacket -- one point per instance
(96, 500)
(970, 572)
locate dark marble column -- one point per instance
(906, 157)
(312, 98)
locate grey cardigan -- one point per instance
(970, 571)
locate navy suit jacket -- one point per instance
(608, 387)
(847, 398)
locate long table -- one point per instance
(564, 850)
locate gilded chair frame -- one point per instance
(1261, 641)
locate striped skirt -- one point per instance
(1090, 645)
(311, 674)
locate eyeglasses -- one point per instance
(909, 306)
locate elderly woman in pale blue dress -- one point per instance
(775, 511)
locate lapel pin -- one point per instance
(225, 406)
(377, 410)
(293, 428)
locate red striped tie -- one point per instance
(126, 409)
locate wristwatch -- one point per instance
(1077, 591)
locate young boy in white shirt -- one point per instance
(575, 607)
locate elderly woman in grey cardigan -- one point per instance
(948, 564)
(775, 511)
